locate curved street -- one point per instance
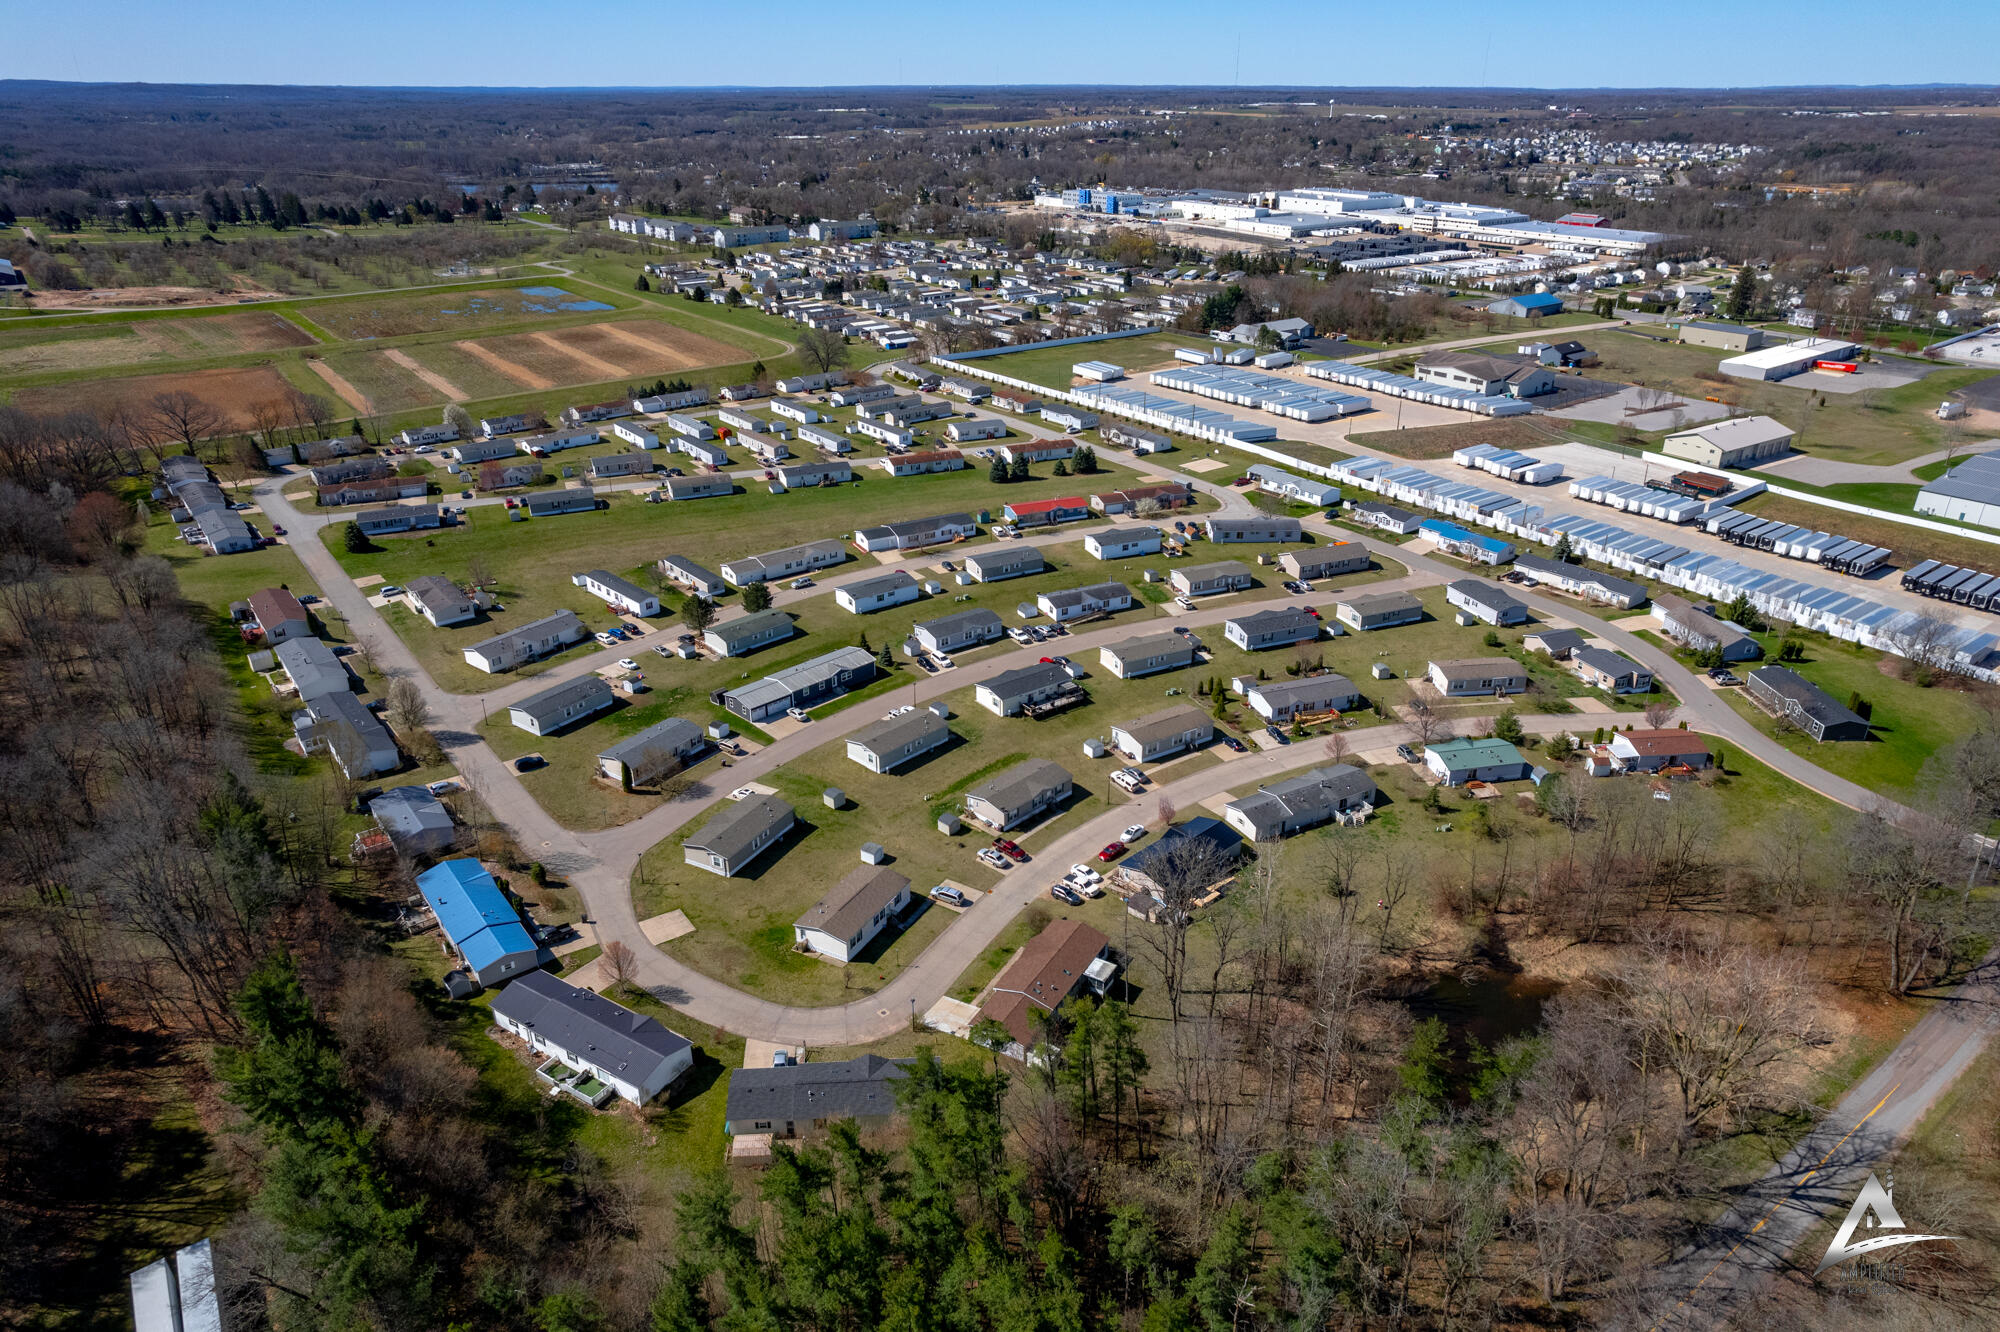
(600, 864)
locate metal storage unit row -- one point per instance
(1839, 613)
(1631, 497)
(1838, 553)
(1953, 583)
(1269, 393)
(1416, 390)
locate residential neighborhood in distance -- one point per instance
(1166, 703)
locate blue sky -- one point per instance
(626, 43)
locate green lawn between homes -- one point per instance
(743, 924)
(1050, 366)
(678, 1135)
(570, 792)
(1908, 724)
(532, 561)
(1437, 848)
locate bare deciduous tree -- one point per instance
(619, 962)
(1724, 1025)
(823, 349)
(178, 417)
(1426, 724)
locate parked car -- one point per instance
(1135, 832)
(798, 714)
(1722, 675)
(279, 531)
(390, 590)
(1062, 892)
(1085, 874)
(628, 664)
(991, 857)
(529, 762)
(1112, 851)
(1277, 735)
(663, 650)
(781, 1059)
(1405, 753)
(1295, 587)
(439, 788)
(947, 566)
(1011, 850)
(950, 896)
(607, 639)
(305, 598)
(1185, 603)
(1235, 746)
(1183, 631)
(800, 584)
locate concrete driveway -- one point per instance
(600, 864)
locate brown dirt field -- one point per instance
(222, 335)
(688, 350)
(429, 376)
(98, 298)
(349, 394)
(28, 350)
(232, 392)
(1423, 443)
(521, 375)
(544, 359)
(600, 368)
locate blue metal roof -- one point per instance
(474, 914)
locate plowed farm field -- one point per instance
(432, 312)
(234, 393)
(29, 351)
(596, 352)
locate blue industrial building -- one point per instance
(1528, 305)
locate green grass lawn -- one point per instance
(739, 934)
(678, 1135)
(568, 788)
(532, 561)
(1886, 426)
(1909, 723)
(1050, 366)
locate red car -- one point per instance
(1112, 852)
(1310, 611)
(1009, 849)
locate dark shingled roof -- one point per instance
(804, 1092)
(589, 1026)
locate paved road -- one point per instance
(600, 864)
(1728, 1269)
(1700, 1289)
